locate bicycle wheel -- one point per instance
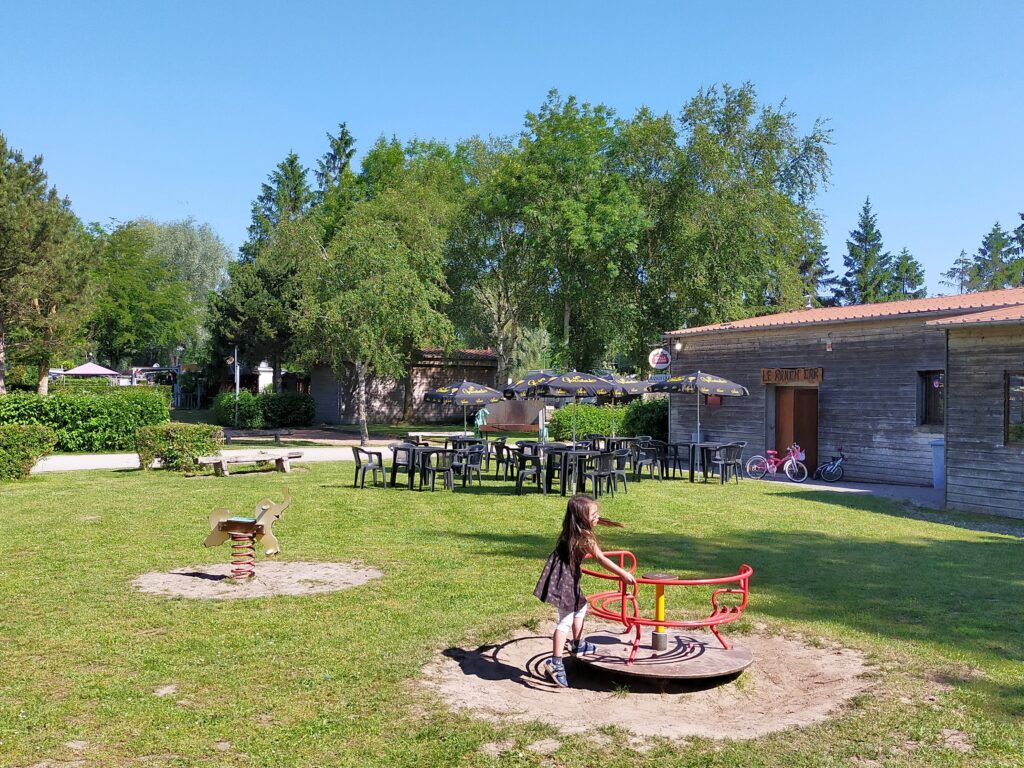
(796, 471)
(832, 473)
(757, 467)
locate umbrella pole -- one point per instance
(697, 383)
(463, 421)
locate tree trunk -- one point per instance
(276, 376)
(364, 434)
(565, 334)
(43, 379)
(3, 361)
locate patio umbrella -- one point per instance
(527, 384)
(465, 393)
(576, 385)
(700, 383)
(624, 387)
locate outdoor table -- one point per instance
(615, 443)
(463, 442)
(673, 452)
(416, 457)
(577, 457)
(705, 449)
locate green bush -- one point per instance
(177, 445)
(288, 409)
(87, 421)
(647, 417)
(88, 384)
(21, 446)
(589, 419)
(250, 412)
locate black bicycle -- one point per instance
(831, 471)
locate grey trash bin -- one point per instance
(939, 463)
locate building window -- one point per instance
(933, 397)
(1015, 407)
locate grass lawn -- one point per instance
(329, 680)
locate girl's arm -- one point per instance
(608, 565)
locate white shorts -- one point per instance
(565, 619)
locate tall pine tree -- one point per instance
(868, 267)
(995, 265)
(285, 196)
(959, 275)
(907, 279)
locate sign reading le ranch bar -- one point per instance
(791, 375)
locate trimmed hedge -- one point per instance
(250, 413)
(589, 419)
(101, 387)
(287, 409)
(177, 445)
(21, 446)
(86, 421)
(647, 417)
(640, 417)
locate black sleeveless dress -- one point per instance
(559, 583)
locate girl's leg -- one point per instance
(577, 624)
(566, 621)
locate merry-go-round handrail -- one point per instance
(612, 604)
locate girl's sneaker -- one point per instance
(555, 669)
(582, 648)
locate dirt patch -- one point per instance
(213, 582)
(790, 684)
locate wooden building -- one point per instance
(984, 459)
(395, 400)
(872, 378)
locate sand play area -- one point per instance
(790, 683)
(214, 582)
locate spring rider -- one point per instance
(244, 532)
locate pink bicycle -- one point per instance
(759, 466)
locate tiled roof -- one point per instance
(460, 354)
(1006, 315)
(982, 301)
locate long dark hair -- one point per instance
(577, 530)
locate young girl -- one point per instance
(559, 583)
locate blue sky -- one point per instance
(170, 109)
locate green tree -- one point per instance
(868, 267)
(144, 308)
(257, 309)
(995, 265)
(742, 220)
(45, 266)
(959, 275)
(285, 196)
(907, 278)
(197, 257)
(375, 295)
(579, 218)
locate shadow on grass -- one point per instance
(965, 595)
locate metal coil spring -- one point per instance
(243, 556)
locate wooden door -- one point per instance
(796, 421)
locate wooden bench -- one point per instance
(427, 436)
(232, 434)
(282, 461)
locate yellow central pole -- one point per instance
(659, 606)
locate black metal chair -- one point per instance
(467, 463)
(529, 467)
(646, 455)
(503, 459)
(622, 458)
(404, 455)
(601, 473)
(728, 460)
(438, 463)
(368, 461)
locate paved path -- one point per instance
(924, 496)
(70, 463)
